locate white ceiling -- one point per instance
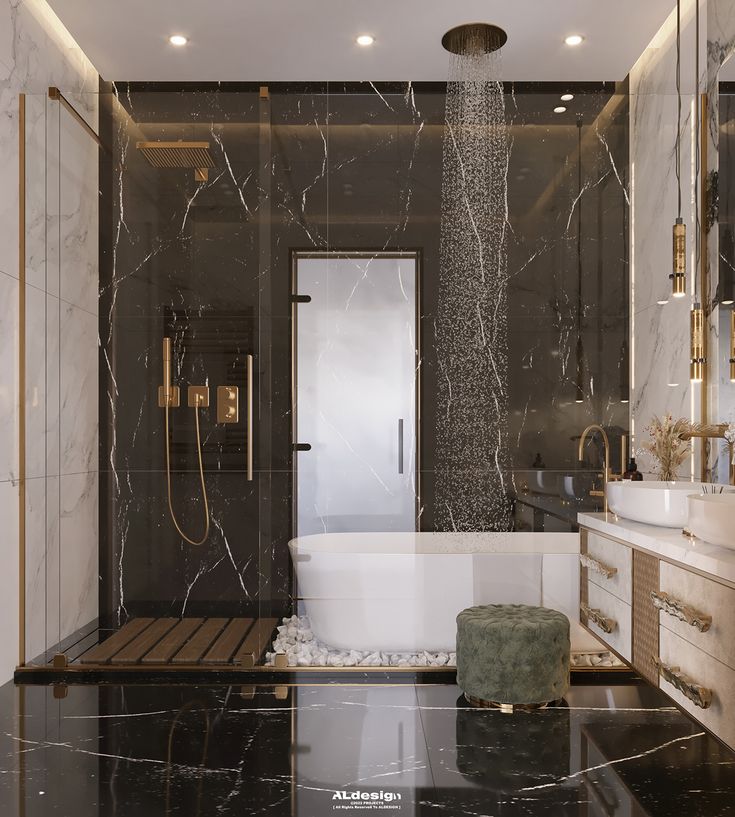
(308, 40)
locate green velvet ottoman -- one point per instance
(512, 654)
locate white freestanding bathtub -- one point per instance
(401, 592)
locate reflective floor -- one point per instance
(313, 750)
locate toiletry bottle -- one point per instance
(631, 472)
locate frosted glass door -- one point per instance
(355, 366)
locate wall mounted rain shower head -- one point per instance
(195, 155)
(474, 39)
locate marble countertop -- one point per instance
(669, 543)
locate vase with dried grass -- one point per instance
(666, 445)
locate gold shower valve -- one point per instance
(228, 410)
(198, 396)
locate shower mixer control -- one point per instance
(228, 410)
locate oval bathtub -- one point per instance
(401, 592)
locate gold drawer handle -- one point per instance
(673, 607)
(700, 696)
(597, 567)
(607, 625)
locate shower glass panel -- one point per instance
(59, 468)
(356, 385)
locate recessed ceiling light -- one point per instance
(672, 385)
(567, 97)
(662, 302)
(574, 39)
(178, 39)
(365, 39)
(559, 109)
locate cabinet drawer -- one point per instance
(707, 671)
(695, 597)
(610, 554)
(613, 608)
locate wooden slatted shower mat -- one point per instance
(185, 642)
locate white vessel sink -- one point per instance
(656, 503)
(712, 518)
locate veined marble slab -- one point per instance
(668, 543)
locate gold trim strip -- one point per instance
(55, 94)
(21, 379)
(249, 418)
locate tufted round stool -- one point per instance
(512, 654)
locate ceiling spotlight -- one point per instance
(662, 301)
(559, 109)
(365, 39)
(567, 97)
(574, 39)
(178, 39)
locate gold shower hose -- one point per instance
(201, 477)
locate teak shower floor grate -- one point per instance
(186, 642)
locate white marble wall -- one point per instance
(61, 357)
(660, 333)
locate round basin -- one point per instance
(576, 487)
(540, 480)
(656, 503)
(712, 518)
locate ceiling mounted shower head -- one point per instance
(474, 39)
(195, 155)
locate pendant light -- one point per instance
(679, 273)
(732, 345)
(698, 358)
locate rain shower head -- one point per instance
(193, 155)
(474, 39)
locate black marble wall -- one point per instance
(333, 167)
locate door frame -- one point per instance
(295, 254)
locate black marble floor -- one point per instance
(135, 751)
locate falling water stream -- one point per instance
(472, 313)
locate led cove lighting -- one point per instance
(178, 39)
(574, 39)
(559, 109)
(567, 97)
(365, 39)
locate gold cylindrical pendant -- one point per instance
(679, 273)
(697, 344)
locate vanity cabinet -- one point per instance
(673, 625)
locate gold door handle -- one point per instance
(700, 696)
(249, 418)
(597, 567)
(676, 608)
(607, 625)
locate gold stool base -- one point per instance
(505, 708)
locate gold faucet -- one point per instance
(708, 432)
(608, 474)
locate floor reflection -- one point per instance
(311, 750)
